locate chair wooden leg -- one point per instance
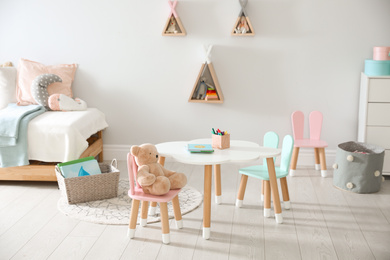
(217, 179)
(294, 160)
(323, 162)
(317, 158)
(133, 218)
(177, 212)
(286, 196)
(274, 190)
(144, 213)
(267, 199)
(164, 222)
(241, 190)
(152, 208)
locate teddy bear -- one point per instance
(152, 176)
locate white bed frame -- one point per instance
(43, 171)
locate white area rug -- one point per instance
(116, 211)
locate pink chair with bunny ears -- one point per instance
(315, 123)
(137, 195)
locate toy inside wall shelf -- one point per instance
(206, 88)
(173, 26)
(243, 25)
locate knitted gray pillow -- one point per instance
(39, 88)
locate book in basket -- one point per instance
(80, 167)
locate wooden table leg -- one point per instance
(274, 190)
(207, 201)
(217, 180)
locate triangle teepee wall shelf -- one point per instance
(243, 26)
(206, 88)
(173, 26)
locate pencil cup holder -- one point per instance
(221, 141)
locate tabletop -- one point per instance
(239, 151)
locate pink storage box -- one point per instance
(381, 53)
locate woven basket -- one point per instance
(90, 188)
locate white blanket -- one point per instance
(57, 136)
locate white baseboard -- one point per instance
(119, 152)
(305, 158)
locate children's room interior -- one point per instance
(195, 129)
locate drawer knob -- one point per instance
(377, 173)
(335, 166)
(349, 185)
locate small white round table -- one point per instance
(239, 152)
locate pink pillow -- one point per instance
(29, 70)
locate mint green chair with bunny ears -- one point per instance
(261, 172)
(270, 139)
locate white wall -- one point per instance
(306, 55)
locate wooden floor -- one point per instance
(324, 223)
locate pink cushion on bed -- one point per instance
(29, 70)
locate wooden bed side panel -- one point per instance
(29, 173)
(37, 172)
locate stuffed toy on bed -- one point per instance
(56, 102)
(64, 103)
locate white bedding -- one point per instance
(57, 136)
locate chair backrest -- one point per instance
(297, 120)
(315, 121)
(287, 148)
(270, 139)
(132, 169)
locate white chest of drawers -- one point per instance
(374, 114)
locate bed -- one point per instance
(57, 136)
